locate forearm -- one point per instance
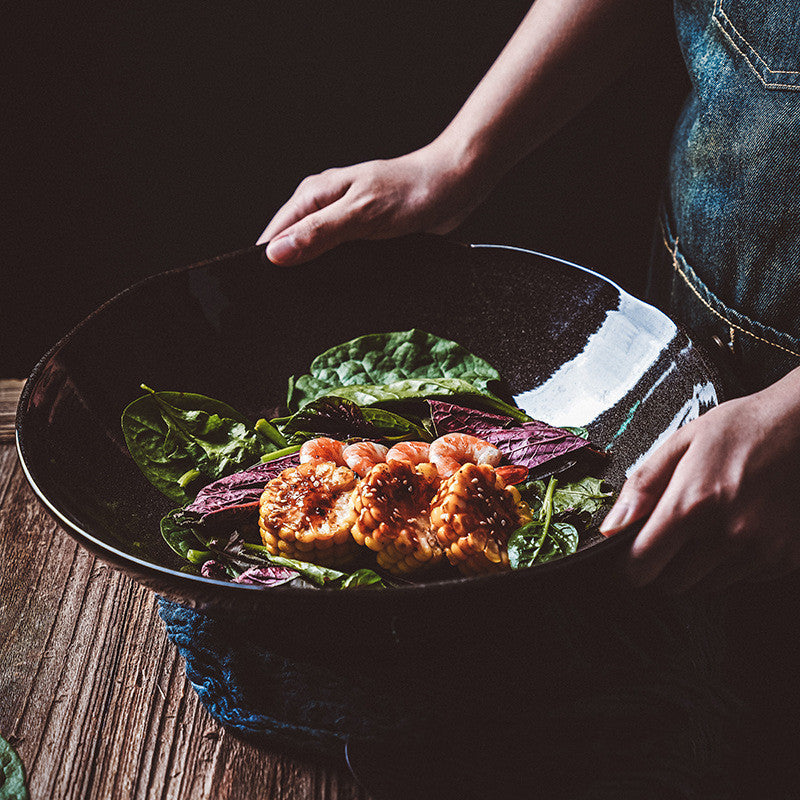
(561, 55)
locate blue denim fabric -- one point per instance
(729, 260)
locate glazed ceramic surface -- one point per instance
(574, 349)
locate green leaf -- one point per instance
(182, 441)
(319, 576)
(342, 419)
(582, 432)
(542, 540)
(585, 496)
(363, 578)
(178, 528)
(387, 358)
(453, 389)
(533, 493)
(532, 544)
(12, 774)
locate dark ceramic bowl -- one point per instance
(574, 348)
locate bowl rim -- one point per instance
(145, 568)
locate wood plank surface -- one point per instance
(9, 393)
(93, 695)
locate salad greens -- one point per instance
(553, 533)
(389, 387)
(380, 359)
(244, 562)
(182, 440)
(338, 417)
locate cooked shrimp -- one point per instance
(322, 449)
(450, 451)
(361, 457)
(410, 452)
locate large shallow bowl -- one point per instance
(574, 348)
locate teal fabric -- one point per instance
(262, 695)
(593, 701)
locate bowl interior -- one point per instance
(573, 347)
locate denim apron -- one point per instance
(727, 258)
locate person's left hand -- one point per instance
(721, 497)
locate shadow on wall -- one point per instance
(144, 136)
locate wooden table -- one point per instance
(93, 696)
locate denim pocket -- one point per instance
(750, 354)
(766, 34)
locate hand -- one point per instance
(425, 191)
(721, 497)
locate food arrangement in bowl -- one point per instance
(399, 460)
(524, 338)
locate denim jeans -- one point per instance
(727, 263)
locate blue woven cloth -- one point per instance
(262, 695)
(637, 712)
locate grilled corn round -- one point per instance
(392, 504)
(305, 513)
(473, 514)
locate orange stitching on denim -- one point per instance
(731, 325)
(719, 10)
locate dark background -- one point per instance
(142, 136)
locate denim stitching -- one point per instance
(719, 11)
(673, 251)
(718, 4)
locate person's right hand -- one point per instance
(424, 191)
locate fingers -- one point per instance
(313, 235)
(313, 194)
(642, 490)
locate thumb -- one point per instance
(313, 235)
(644, 487)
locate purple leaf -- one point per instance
(266, 576)
(240, 489)
(449, 418)
(530, 444)
(213, 569)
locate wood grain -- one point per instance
(9, 394)
(92, 693)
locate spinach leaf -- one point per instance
(319, 576)
(182, 441)
(12, 774)
(584, 497)
(343, 419)
(421, 389)
(244, 562)
(364, 578)
(178, 529)
(532, 544)
(385, 358)
(542, 539)
(533, 493)
(582, 432)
